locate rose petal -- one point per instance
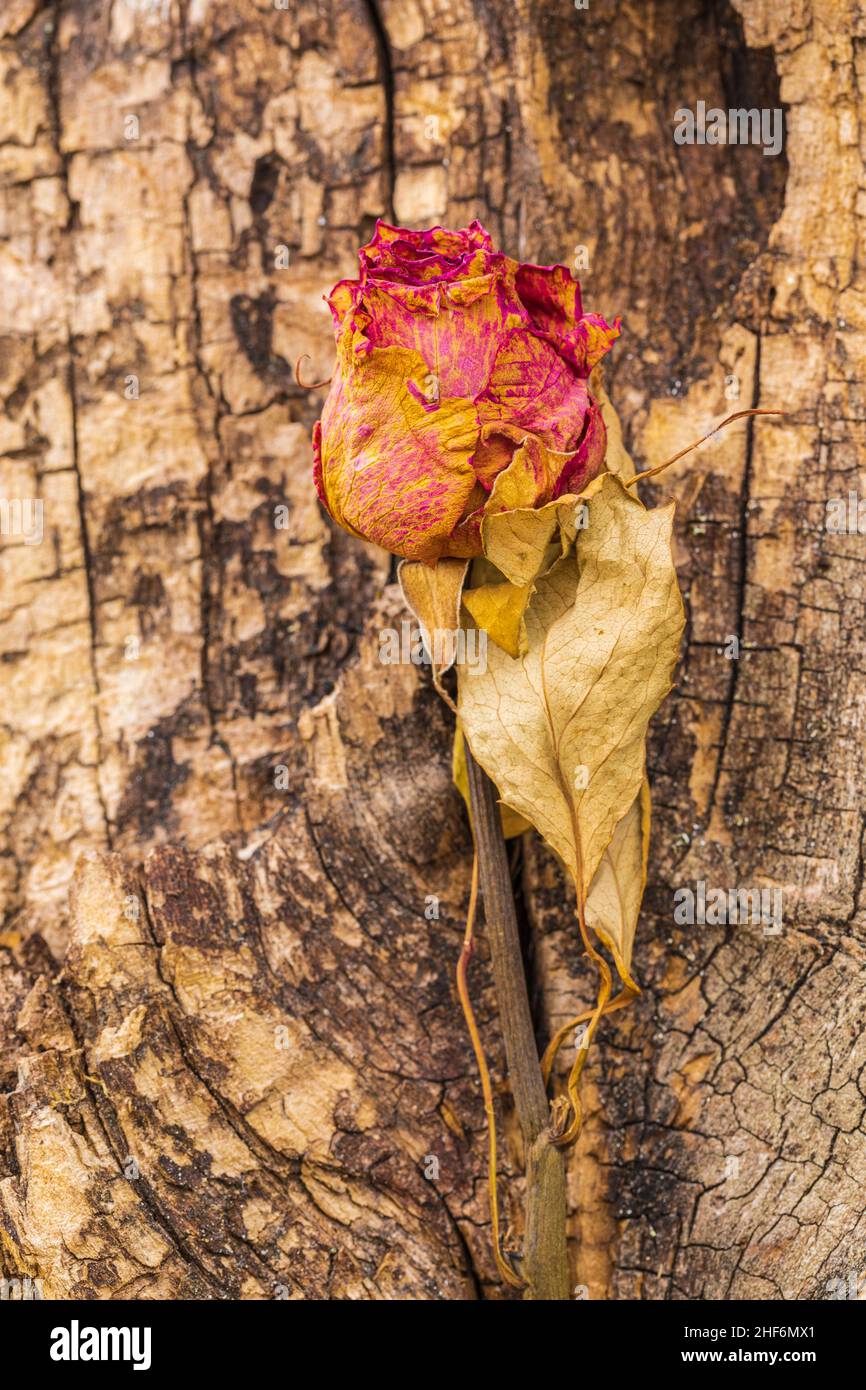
(426, 255)
(459, 391)
(317, 466)
(552, 299)
(587, 460)
(551, 295)
(529, 479)
(530, 386)
(390, 470)
(460, 341)
(590, 340)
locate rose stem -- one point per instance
(505, 1272)
(545, 1263)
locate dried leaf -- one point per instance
(512, 823)
(523, 543)
(615, 894)
(561, 729)
(499, 609)
(517, 541)
(433, 595)
(520, 544)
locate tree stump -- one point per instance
(233, 867)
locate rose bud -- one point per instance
(459, 389)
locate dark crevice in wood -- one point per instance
(387, 78)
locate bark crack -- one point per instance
(387, 77)
(742, 578)
(54, 100)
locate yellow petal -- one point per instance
(395, 456)
(499, 609)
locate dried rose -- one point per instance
(460, 390)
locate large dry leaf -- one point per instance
(433, 595)
(561, 729)
(615, 894)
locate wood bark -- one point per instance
(233, 866)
